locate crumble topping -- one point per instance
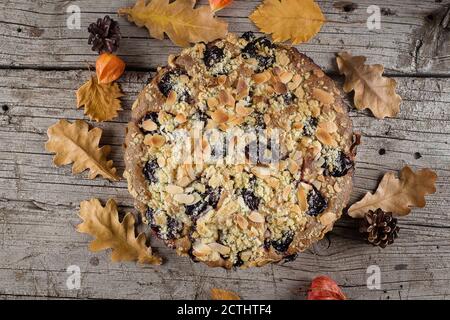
(245, 149)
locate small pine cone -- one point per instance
(379, 228)
(104, 35)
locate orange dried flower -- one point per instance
(324, 288)
(109, 68)
(217, 5)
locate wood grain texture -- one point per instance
(414, 37)
(39, 204)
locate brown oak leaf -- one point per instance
(220, 294)
(101, 101)
(397, 195)
(178, 19)
(372, 90)
(103, 224)
(75, 143)
(293, 20)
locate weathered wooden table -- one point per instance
(43, 62)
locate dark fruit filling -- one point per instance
(248, 36)
(310, 126)
(201, 116)
(150, 171)
(256, 49)
(212, 56)
(168, 82)
(260, 124)
(340, 166)
(239, 262)
(174, 227)
(291, 257)
(282, 244)
(288, 98)
(250, 199)
(210, 199)
(316, 203)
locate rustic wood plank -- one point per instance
(38, 205)
(414, 37)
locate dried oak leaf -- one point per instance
(398, 195)
(179, 20)
(295, 20)
(103, 224)
(220, 294)
(101, 101)
(75, 143)
(372, 90)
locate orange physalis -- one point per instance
(217, 5)
(109, 68)
(324, 288)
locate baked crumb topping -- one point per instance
(268, 149)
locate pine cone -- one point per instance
(380, 228)
(104, 35)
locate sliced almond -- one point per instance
(280, 88)
(297, 125)
(173, 189)
(180, 118)
(328, 126)
(226, 98)
(223, 250)
(241, 89)
(221, 79)
(184, 182)
(293, 167)
(286, 192)
(243, 111)
(261, 172)
(273, 182)
(201, 249)
(241, 222)
(171, 98)
(261, 77)
(219, 116)
(325, 137)
(184, 198)
(286, 77)
(327, 218)
(277, 71)
(149, 125)
(156, 140)
(300, 93)
(318, 73)
(184, 79)
(283, 59)
(301, 197)
(212, 102)
(256, 217)
(323, 96)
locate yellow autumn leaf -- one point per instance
(397, 195)
(101, 101)
(220, 294)
(295, 20)
(178, 19)
(103, 224)
(75, 143)
(372, 90)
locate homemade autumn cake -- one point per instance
(240, 152)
